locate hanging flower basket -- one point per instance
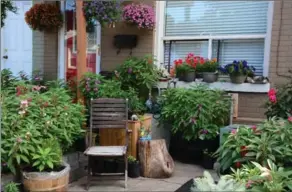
(141, 15)
(44, 17)
(104, 12)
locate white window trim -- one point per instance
(160, 37)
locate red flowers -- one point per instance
(272, 95)
(237, 164)
(290, 119)
(243, 151)
(178, 62)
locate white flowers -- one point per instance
(163, 72)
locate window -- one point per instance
(226, 30)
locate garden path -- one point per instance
(182, 174)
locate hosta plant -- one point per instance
(32, 114)
(207, 183)
(196, 113)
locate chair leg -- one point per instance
(88, 173)
(126, 171)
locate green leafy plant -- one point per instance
(207, 183)
(30, 115)
(95, 86)
(209, 66)
(182, 69)
(280, 101)
(132, 159)
(197, 112)
(6, 5)
(11, 187)
(268, 140)
(268, 178)
(48, 155)
(138, 73)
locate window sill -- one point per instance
(226, 86)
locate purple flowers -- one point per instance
(102, 11)
(139, 14)
(130, 70)
(204, 131)
(237, 68)
(193, 120)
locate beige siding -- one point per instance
(109, 57)
(45, 52)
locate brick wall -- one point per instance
(250, 105)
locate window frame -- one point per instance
(160, 37)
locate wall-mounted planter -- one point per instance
(125, 42)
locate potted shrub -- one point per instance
(238, 71)
(133, 167)
(104, 12)
(139, 14)
(44, 17)
(138, 73)
(209, 70)
(31, 117)
(185, 72)
(208, 159)
(188, 111)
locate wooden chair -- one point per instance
(106, 113)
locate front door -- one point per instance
(16, 41)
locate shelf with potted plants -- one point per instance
(236, 70)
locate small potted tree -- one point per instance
(134, 167)
(209, 69)
(238, 71)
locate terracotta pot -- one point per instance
(237, 79)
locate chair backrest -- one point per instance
(108, 113)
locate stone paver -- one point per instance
(182, 173)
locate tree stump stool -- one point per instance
(154, 159)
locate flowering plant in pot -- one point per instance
(209, 69)
(31, 117)
(105, 12)
(238, 71)
(134, 167)
(140, 14)
(44, 17)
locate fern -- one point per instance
(207, 183)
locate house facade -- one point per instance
(258, 31)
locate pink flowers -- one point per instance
(272, 96)
(249, 183)
(233, 131)
(140, 14)
(38, 88)
(290, 119)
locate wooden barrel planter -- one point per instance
(47, 181)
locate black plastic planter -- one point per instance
(120, 166)
(208, 161)
(134, 170)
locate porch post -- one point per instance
(81, 43)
